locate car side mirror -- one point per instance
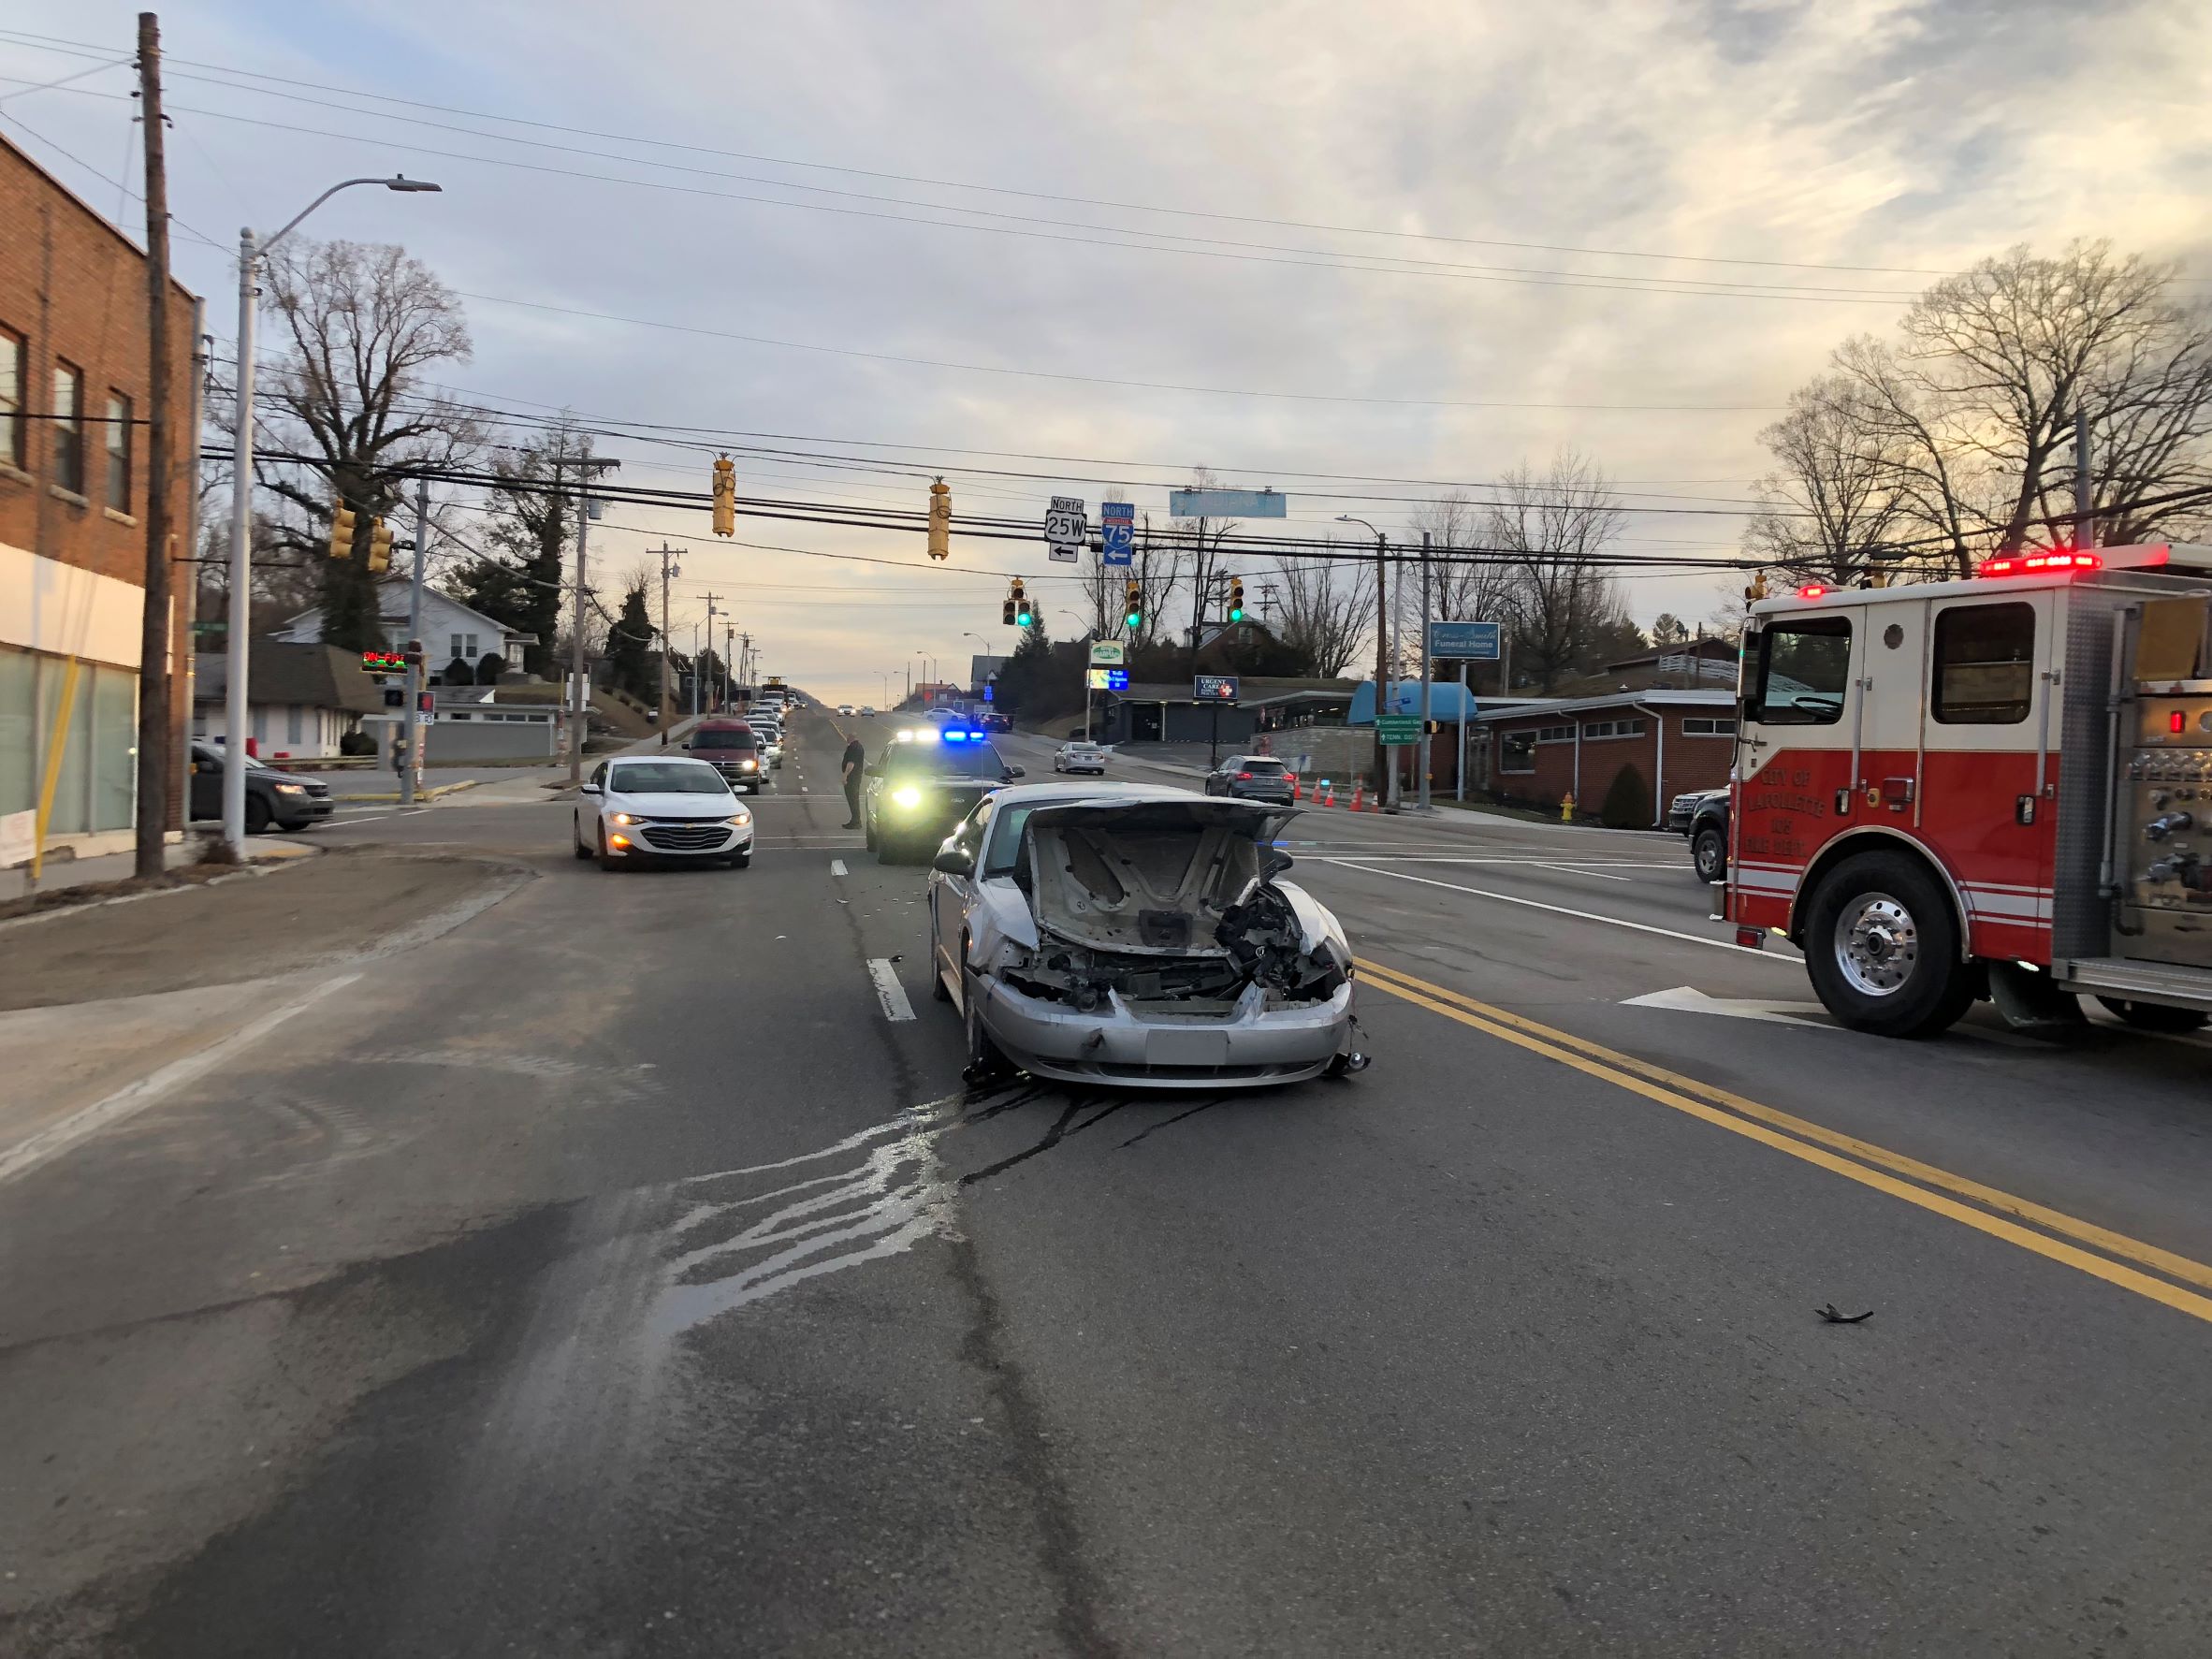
(954, 861)
(590, 789)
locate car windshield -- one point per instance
(725, 738)
(666, 777)
(1005, 849)
(943, 759)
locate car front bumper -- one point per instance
(1252, 1048)
(677, 847)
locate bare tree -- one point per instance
(1484, 590)
(1831, 498)
(1555, 524)
(1974, 410)
(1198, 554)
(1327, 609)
(362, 327)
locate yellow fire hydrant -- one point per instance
(1566, 807)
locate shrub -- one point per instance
(357, 743)
(1628, 801)
(459, 672)
(489, 666)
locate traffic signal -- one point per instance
(725, 497)
(940, 520)
(380, 547)
(1022, 615)
(1134, 612)
(1236, 599)
(1006, 611)
(412, 656)
(341, 531)
(1757, 589)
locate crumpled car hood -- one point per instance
(1145, 877)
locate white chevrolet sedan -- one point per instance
(660, 806)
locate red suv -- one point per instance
(730, 747)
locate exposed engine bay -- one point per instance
(1172, 911)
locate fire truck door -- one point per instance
(1800, 716)
(1885, 787)
(1988, 761)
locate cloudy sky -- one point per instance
(1422, 241)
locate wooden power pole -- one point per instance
(156, 773)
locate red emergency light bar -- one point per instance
(2039, 564)
(1813, 591)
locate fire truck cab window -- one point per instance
(1984, 664)
(1804, 671)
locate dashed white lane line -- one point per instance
(889, 992)
(838, 866)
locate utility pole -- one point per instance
(416, 728)
(156, 638)
(579, 702)
(1424, 799)
(666, 710)
(705, 700)
(730, 681)
(2085, 509)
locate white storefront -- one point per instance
(51, 614)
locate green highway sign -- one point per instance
(1399, 728)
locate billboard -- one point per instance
(1228, 503)
(1475, 641)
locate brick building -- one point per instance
(74, 370)
(1678, 740)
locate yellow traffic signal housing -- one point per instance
(725, 497)
(1757, 590)
(380, 547)
(1236, 599)
(1021, 603)
(1133, 608)
(940, 520)
(1006, 613)
(341, 531)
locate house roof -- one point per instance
(314, 675)
(391, 606)
(1681, 699)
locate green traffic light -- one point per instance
(1237, 615)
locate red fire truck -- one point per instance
(1997, 788)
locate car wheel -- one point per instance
(2153, 1016)
(608, 860)
(581, 850)
(1709, 851)
(886, 851)
(1882, 948)
(986, 1062)
(257, 815)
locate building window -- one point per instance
(1554, 735)
(1698, 725)
(295, 728)
(1622, 728)
(1516, 751)
(464, 644)
(96, 782)
(11, 397)
(68, 428)
(1984, 664)
(119, 452)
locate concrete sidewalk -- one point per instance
(118, 867)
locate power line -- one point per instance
(57, 44)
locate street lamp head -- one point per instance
(401, 182)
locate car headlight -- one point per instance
(624, 818)
(289, 789)
(741, 818)
(748, 765)
(906, 795)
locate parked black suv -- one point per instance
(274, 799)
(1703, 816)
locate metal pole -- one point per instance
(2085, 512)
(417, 732)
(575, 629)
(666, 712)
(1458, 771)
(189, 540)
(241, 562)
(1382, 650)
(157, 631)
(1425, 751)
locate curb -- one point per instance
(428, 794)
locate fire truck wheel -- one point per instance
(1882, 948)
(2153, 1016)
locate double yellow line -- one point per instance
(2000, 1214)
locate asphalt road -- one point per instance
(612, 1275)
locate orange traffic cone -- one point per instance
(1294, 783)
(1359, 792)
(1330, 783)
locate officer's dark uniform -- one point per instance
(856, 757)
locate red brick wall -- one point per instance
(1692, 762)
(93, 316)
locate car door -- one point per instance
(1799, 745)
(207, 784)
(587, 808)
(950, 895)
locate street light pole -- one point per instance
(1382, 653)
(579, 703)
(250, 253)
(1424, 749)
(416, 728)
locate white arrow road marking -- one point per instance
(838, 866)
(889, 992)
(1689, 999)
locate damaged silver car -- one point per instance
(1139, 936)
